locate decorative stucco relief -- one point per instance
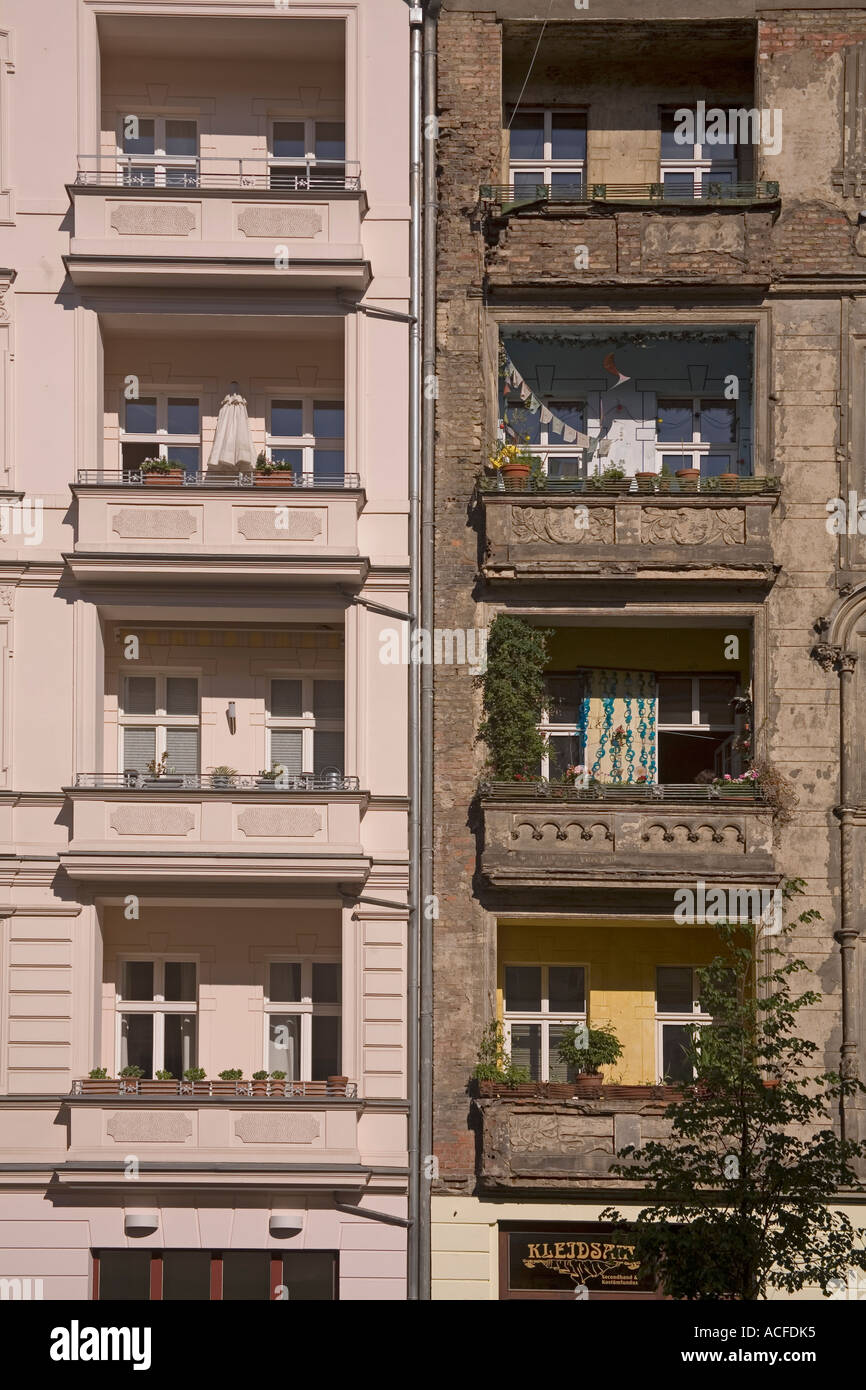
(563, 830)
(149, 1127)
(152, 820)
(277, 222)
(277, 1129)
(152, 219)
(693, 526)
(563, 525)
(279, 822)
(154, 523)
(281, 524)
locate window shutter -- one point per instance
(287, 749)
(139, 749)
(181, 746)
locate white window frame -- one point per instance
(696, 1016)
(305, 1009)
(547, 165)
(161, 720)
(309, 163)
(159, 161)
(307, 441)
(547, 729)
(692, 451)
(545, 1018)
(696, 162)
(307, 722)
(695, 726)
(161, 440)
(158, 1007)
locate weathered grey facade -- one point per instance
(783, 261)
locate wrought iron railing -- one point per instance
(179, 175)
(134, 477)
(658, 485)
(690, 793)
(506, 198)
(128, 1086)
(133, 780)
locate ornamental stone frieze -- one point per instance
(563, 526)
(685, 526)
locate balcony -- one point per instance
(559, 1145)
(232, 829)
(210, 529)
(218, 221)
(565, 528)
(539, 835)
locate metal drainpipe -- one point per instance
(428, 541)
(414, 759)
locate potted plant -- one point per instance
(494, 1070)
(278, 1083)
(337, 1085)
(688, 479)
(222, 777)
(160, 774)
(610, 479)
(168, 471)
(196, 1075)
(514, 465)
(664, 479)
(99, 1083)
(260, 1083)
(131, 1076)
(271, 473)
(586, 1050)
(227, 1082)
(728, 481)
(270, 778)
(645, 481)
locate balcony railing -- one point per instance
(680, 793)
(284, 1090)
(133, 780)
(321, 176)
(660, 485)
(507, 198)
(107, 477)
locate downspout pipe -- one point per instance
(416, 17)
(427, 912)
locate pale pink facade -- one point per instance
(249, 226)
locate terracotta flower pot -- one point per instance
(588, 1086)
(728, 481)
(645, 481)
(688, 479)
(173, 478)
(105, 1087)
(280, 479)
(260, 1088)
(516, 476)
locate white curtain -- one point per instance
(232, 450)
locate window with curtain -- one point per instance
(303, 1013)
(159, 717)
(157, 1005)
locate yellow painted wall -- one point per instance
(648, 649)
(621, 973)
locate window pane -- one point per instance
(286, 699)
(124, 1276)
(672, 462)
(284, 980)
(141, 140)
(526, 1048)
(182, 416)
(328, 699)
(330, 140)
(181, 137)
(717, 692)
(287, 750)
(310, 1275)
(140, 695)
(140, 416)
(139, 749)
(287, 418)
(672, 148)
(557, 1069)
(246, 1275)
(284, 1044)
(181, 747)
(564, 466)
(718, 422)
(180, 980)
(132, 456)
(329, 419)
(137, 979)
(527, 136)
(186, 1275)
(329, 464)
(523, 988)
(679, 185)
(570, 412)
(289, 139)
(567, 186)
(524, 426)
(295, 457)
(180, 1049)
(566, 990)
(676, 1039)
(136, 1042)
(568, 136)
(563, 751)
(187, 455)
(563, 697)
(714, 464)
(327, 1048)
(326, 983)
(674, 422)
(328, 751)
(181, 695)
(675, 699)
(719, 178)
(674, 989)
(526, 182)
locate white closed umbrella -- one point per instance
(232, 450)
